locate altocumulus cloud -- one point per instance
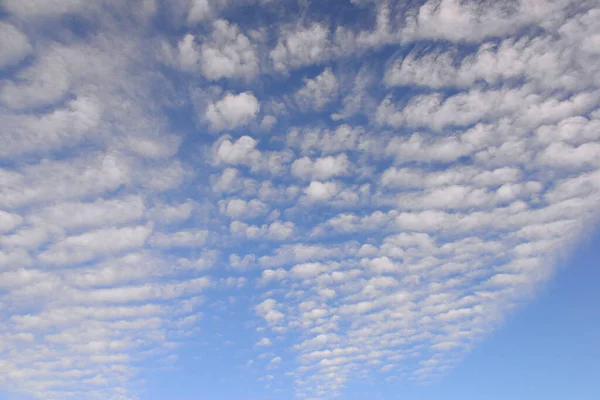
(376, 212)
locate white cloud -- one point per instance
(86, 246)
(308, 270)
(311, 140)
(320, 191)
(267, 310)
(161, 177)
(229, 54)
(240, 152)
(199, 11)
(437, 19)
(187, 238)
(302, 46)
(269, 275)
(232, 111)
(275, 361)
(357, 101)
(203, 10)
(187, 53)
(276, 230)
(171, 213)
(73, 215)
(268, 122)
(126, 294)
(45, 83)
(52, 180)
(264, 342)
(61, 127)
(322, 168)
(9, 221)
(14, 46)
(317, 92)
(241, 209)
(41, 8)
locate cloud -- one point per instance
(322, 168)
(45, 83)
(317, 92)
(239, 208)
(312, 140)
(320, 191)
(435, 19)
(264, 342)
(9, 221)
(188, 238)
(232, 111)
(83, 247)
(277, 230)
(187, 53)
(62, 127)
(41, 9)
(301, 46)
(15, 45)
(240, 152)
(51, 180)
(229, 54)
(99, 213)
(268, 310)
(376, 199)
(171, 213)
(202, 10)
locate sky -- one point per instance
(262, 199)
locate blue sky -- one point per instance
(261, 199)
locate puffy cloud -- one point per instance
(267, 310)
(41, 9)
(240, 152)
(307, 270)
(436, 19)
(52, 180)
(187, 53)
(9, 221)
(268, 122)
(99, 213)
(188, 238)
(229, 53)
(311, 140)
(171, 213)
(232, 111)
(61, 127)
(275, 361)
(303, 46)
(45, 83)
(264, 342)
(322, 168)
(276, 230)
(320, 191)
(239, 208)
(15, 45)
(86, 246)
(199, 10)
(269, 275)
(317, 92)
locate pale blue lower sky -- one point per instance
(548, 350)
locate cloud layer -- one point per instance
(384, 192)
